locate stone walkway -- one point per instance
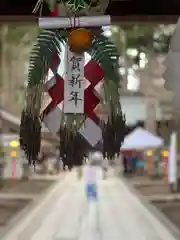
(118, 215)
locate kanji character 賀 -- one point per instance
(75, 63)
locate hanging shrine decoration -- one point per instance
(74, 98)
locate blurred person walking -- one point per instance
(91, 173)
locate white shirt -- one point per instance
(90, 174)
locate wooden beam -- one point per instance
(27, 19)
(116, 20)
(139, 7)
(159, 19)
(138, 11)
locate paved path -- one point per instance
(118, 215)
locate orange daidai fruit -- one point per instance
(80, 40)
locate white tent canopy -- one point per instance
(140, 139)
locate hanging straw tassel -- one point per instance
(30, 128)
(113, 134)
(30, 136)
(72, 146)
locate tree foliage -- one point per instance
(153, 37)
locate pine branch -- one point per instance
(47, 43)
(105, 53)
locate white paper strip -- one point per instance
(52, 120)
(101, 112)
(91, 132)
(172, 161)
(63, 22)
(74, 84)
(50, 83)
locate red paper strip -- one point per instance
(93, 73)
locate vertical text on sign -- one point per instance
(74, 85)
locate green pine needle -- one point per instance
(48, 41)
(105, 53)
(77, 5)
